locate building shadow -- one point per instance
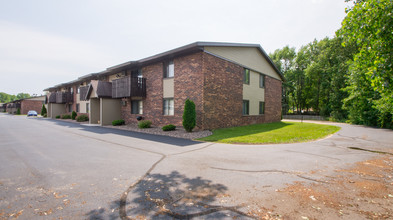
(173, 196)
(180, 142)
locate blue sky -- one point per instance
(46, 42)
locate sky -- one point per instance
(44, 42)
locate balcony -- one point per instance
(14, 105)
(101, 89)
(104, 89)
(129, 87)
(52, 97)
(83, 93)
(64, 97)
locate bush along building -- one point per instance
(231, 84)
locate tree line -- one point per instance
(4, 97)
(348, 77)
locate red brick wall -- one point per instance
(222, 93)
(152, 104)
(27, 105)
(188, 82)
(223, 96)
(272, 99)
(216, 87)
(126, 112)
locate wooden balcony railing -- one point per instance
(52, 97)
(104, 89)
(83, 92)
(64, 97)
(129, 87)
(13, 105)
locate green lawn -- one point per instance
(272, 133)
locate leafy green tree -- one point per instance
(73, 115)
(315, 76)
(4, 97)
(189, 115)
(22, 96)
(284, 59)
(43, 110)
(369, 25)
(338, 58)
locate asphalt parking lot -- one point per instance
(69, 171)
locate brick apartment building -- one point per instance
(25, 105)
(231, 84)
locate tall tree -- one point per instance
(22, 95)
(284, 59)
(369, 25)
(316, 76)
(4, 97)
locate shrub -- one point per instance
(57, 116)
(66, 117)
(82, 118)
(73, 115)
(189, 115)
(169, 127)
(18, 111)
(43, 110)
(144, 124)
(118, 122)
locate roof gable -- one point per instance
(250, 57)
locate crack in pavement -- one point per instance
(361, 139)
(201, 148)
(313, 154)
(298, 174)
(124, 195)
(210, 208)
(372, 151)
(123, 198)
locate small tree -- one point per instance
(189, 115)
(73, 115)
(18, 111)
(43, 110)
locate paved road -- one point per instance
(65, 170)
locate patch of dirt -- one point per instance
(364, 191)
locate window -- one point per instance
(87, 107)
(78, 90)
(77, 107)
(246, 107)
(137, 73)
(169, 69)
(137, 107)
(261, 81)
(168, 107)
(69, 108)
(246, 76)
(261, 108)
(72, 90)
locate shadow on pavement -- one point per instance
(181, 142)
(173, 196)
